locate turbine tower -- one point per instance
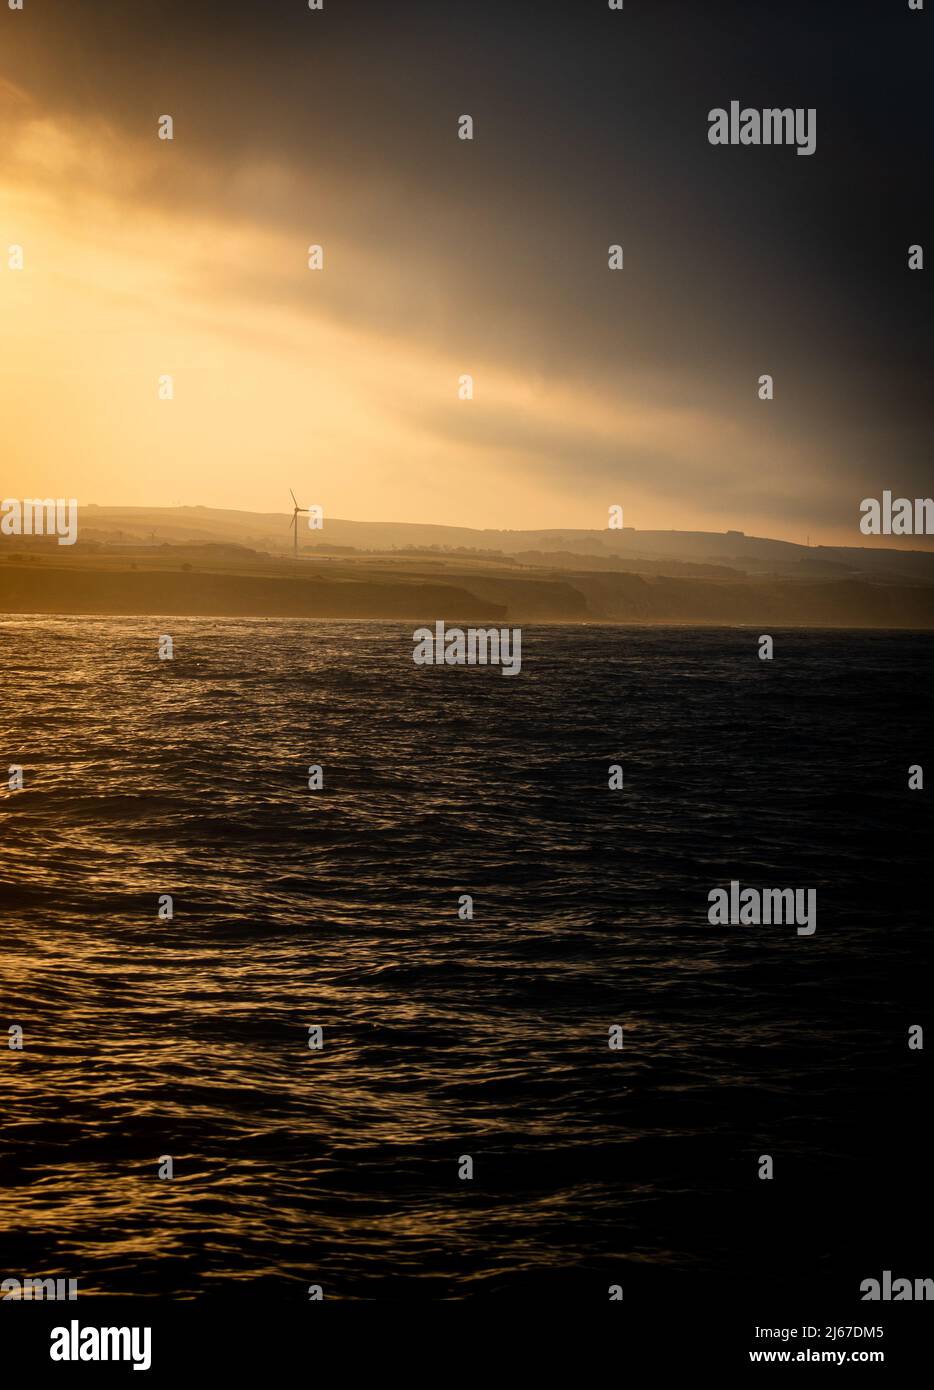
(298, 511)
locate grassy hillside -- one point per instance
(222, 581)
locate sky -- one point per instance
(442, 257)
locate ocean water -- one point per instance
(446, 1037)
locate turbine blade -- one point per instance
(294, 499)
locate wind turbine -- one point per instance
(298, 511)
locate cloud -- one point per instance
(441, 258)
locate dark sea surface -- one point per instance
(445, 1037)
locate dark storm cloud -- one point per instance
(591, 129)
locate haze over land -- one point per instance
(207, 561)
(148, 260)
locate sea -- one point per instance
(461, 914)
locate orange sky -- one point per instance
(146, 257)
